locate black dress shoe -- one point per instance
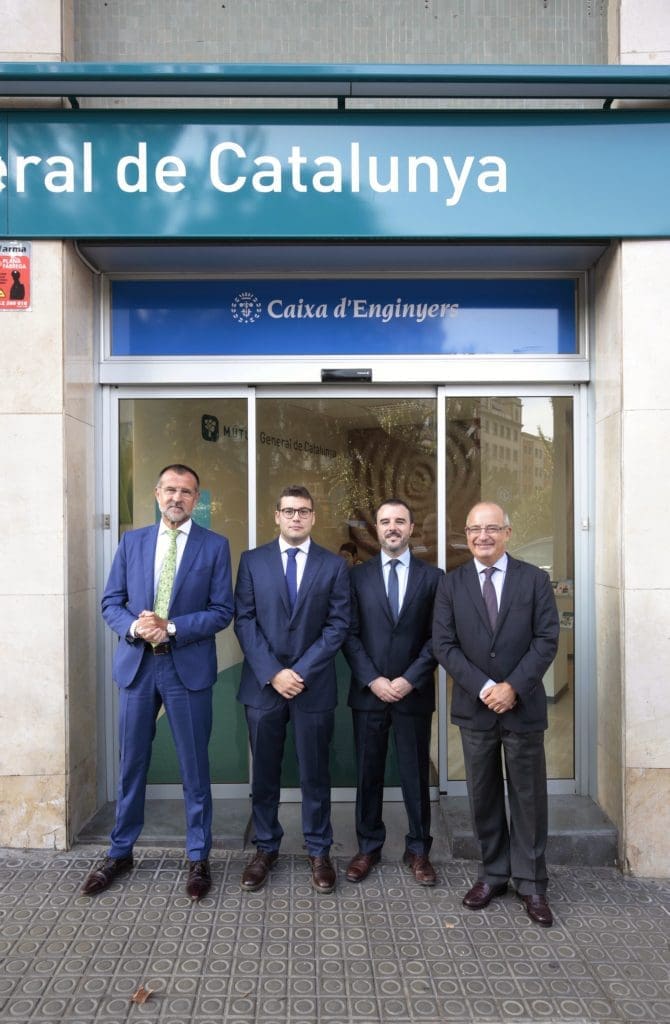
(104, 873)
(538, 909)
(323, 874)
(199, 880)
(258, 869)
(481, 895)
(361, 865)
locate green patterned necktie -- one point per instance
(166, 578)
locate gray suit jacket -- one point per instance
(519, 651)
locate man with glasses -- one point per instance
(291, 617)
(495, 631)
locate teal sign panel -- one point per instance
(323, 174)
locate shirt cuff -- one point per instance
(485, 688)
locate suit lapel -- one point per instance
(148, 561)
(473, 587)
(194, 542)
(278, 576)
(310, 572)
(510, 588)
(377, 583)
(416, 571)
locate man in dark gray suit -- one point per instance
(495, 631)
(392, 684)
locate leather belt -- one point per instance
(159, 648)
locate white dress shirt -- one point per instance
(300, 559)
(402, 572)
(498, 580)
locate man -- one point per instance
(169, 592)
(291, 616)
(392, 684)
(495, 631)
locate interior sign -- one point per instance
(14, 275)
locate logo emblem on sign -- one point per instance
(246, 308)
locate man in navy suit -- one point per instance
(169, 592)
(496, 633)
(291, 617)
(392, 684)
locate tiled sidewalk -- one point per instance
(381, 952)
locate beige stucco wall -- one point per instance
(47, 600)
(632, 362)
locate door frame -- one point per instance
(584, 658)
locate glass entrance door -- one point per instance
(439, 452)
(350, 453)
(519, 453)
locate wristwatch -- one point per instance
(171, 629)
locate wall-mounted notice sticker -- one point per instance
(14, 275)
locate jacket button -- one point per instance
(492, 654)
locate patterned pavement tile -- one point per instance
(380, 952)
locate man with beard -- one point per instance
(392, 685)
(169, 592)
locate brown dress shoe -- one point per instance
(257, 870)
(421, 868)
(361, 865)
(538, 909)
(199, 880)
(323, 873)
(106, 872)
(482, 893)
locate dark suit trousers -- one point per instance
(517, 851)
(313, 732)
(189, 714)
(411, 735)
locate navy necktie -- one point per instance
(292, 576)
(490, 596)
(393, 592)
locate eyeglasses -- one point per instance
(491, 531)
(291, 513)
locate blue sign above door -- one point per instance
(345, 316)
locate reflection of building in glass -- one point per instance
(500, 439)
(536, 463)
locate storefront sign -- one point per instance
(532, 316)
(149, 174)
(14, 275)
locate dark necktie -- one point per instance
(393, 593)
(292, 576)
(490, 597)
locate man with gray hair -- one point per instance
(495, 631)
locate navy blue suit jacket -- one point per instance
(519, 650)
(201, 603)
(376, 646)
(307, 640)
